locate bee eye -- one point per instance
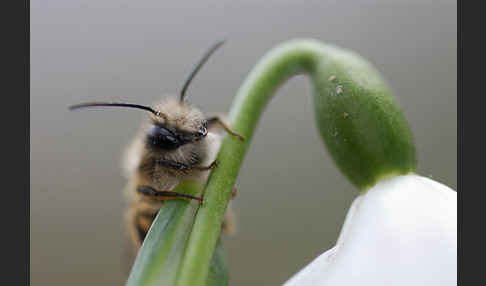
(161, 138)
(203, 131)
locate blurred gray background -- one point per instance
(292, 200)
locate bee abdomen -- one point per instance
(140, 224)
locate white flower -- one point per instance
(402, 231)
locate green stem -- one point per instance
(358, 119)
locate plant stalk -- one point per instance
(363, 129)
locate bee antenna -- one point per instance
(201, 62)
(95, 104)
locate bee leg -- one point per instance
(214, 164)
(184, 167)
(229, 221)
(218, 120)
(155, 194)
(141, 229)
(234, 191)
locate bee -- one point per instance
(178, 142)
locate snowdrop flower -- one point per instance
(402, 231)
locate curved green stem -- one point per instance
(358, 119)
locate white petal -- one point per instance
(403, 231)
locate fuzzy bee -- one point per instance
(177, 143)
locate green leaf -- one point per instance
(218, 272)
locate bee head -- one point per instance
(175, 124)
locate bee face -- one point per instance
(163, 139)
(176, 124)
(160, 138)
